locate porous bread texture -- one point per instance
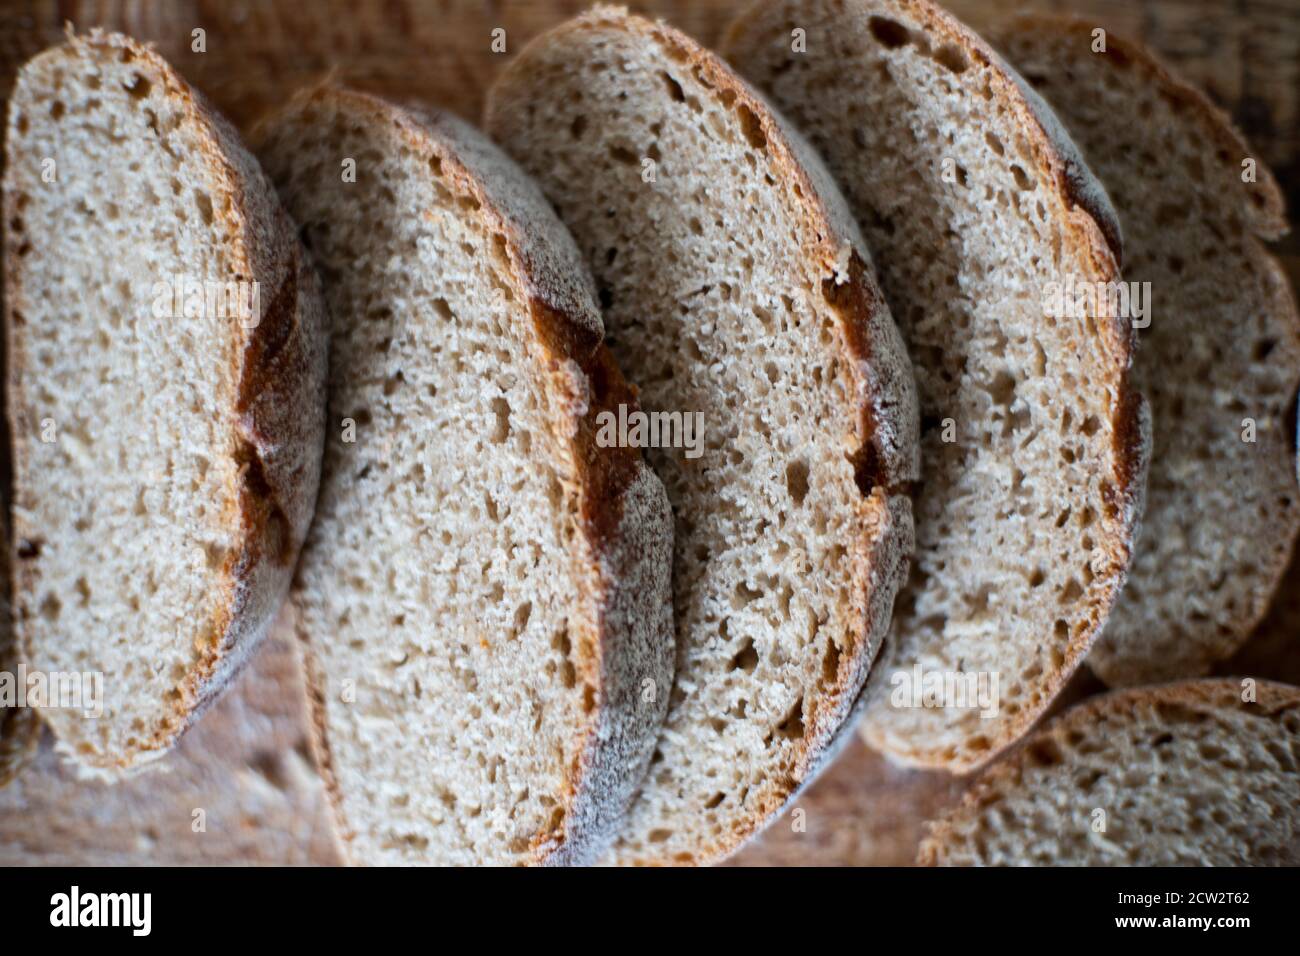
(734, 285)
(165, 469)
(1185, 774)
(1223, 346)
(1033, 442)
(241, 789)
(485, 594)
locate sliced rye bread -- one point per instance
(1181, 774)
(240, 789)
(485, 593)
(165, 464)
(735, 287)
(1223, 346)
(1033, 441)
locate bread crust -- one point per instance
(624, 512)
(887, 456)
(1204, 696)
(1093, 225)
(1266, 215)
(277, 413)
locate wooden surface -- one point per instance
(1244, 53)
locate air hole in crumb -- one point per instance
(621, 155)
(796, 481)
(578, 126)
(889, 33)
(501, 431)
(138, 87)
(1044, 753)
(752, 127)
(792, 727)
(56, 109)
(831, 662)
(746, 659)
(674, 88)
(204, 202)
(568, 673)
(951, 57)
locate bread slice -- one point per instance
(1033, 441)
(1221, 355)
(485, 594)
(166, 446)
(1201, 773)
(241, 789)
(737, 289)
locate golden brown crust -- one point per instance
(278, 409)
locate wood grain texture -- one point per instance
(1244, 53)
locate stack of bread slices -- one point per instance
(578, 486)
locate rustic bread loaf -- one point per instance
(737, 289)
(240, 789)
(1033, 441)
(1220, 361)
(166, 361)
(485, 593)
(1202, 773)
